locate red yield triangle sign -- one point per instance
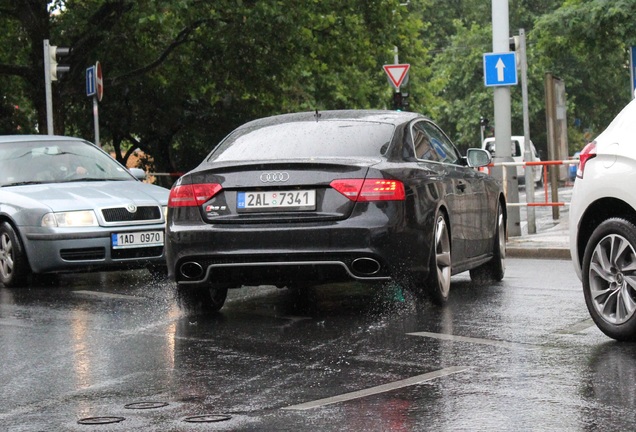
(396, 73)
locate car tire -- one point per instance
(494, 270)
(206, 299)
(439, 275)
(14, 267)
(609, 278)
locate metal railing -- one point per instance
(530, 203)
(546, 165)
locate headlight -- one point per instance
(70, 219)
(165, 212)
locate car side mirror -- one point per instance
(138, 173)
(477, 157)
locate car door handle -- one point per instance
(461, 186)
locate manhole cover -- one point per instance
(145, 405)
(100, 420)
(207, 418)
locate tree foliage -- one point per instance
(586, 43)
(181, 74)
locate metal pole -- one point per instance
(528, 156)
(503, 141)
(96, 120)
(47, 88)
(550, 114)
(632, 84)
(396, 61)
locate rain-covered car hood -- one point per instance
(81, 195)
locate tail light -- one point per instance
(588, 152)
(360, 190)
(192, 195)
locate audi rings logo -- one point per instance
(273, 177)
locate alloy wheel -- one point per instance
(6, 256)
(442, 256)
(612, 279)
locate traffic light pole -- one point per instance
(47, 88)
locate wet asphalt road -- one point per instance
(521, 355)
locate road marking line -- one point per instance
(579, 327)
(107, 295)
(454, 338)
(14, 322)
(379, 389)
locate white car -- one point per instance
(518, 153)
(603, 226)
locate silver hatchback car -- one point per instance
(68, 206)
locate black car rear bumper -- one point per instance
(289, 254)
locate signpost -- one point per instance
(90, 81)
(500, 72)
(500, 69)
(95, 88)
(397, 73)
(632, 69)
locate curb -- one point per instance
(538, 253)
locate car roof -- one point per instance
(380, 116)
(514, 137)
(36, 138)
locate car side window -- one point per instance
(422, 144)
(441, 148)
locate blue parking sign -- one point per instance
(500, 69)
(90, 81)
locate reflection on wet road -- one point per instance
(518, 355)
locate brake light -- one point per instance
(192, 195)
(370, 189)
(588, 152)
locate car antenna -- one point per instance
(317, 115)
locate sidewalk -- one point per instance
(551, 240)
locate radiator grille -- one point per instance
(142, 214)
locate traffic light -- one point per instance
(397, 101)
(483, 122)
(57, 53)
(514, 43)
(405, 101)
(400, 101)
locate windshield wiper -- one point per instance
(87, 179)
(22, 183)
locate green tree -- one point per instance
(585, 43)
(179, 75)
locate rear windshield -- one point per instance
(305, 140)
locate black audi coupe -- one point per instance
(304, 199)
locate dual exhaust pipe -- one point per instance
(360, 267)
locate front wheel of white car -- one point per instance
(609, 278)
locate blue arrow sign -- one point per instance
(90, 81)
(500, 69)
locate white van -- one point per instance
(518, 152)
